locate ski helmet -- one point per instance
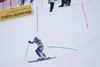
(35, 39)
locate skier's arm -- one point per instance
(30, 42)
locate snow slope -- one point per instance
(64, 27)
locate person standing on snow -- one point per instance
(39, 50)
(51, 4)
(31, 1)
(67, 2)
(22, 2)
(62, 3)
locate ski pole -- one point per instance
(27, 50)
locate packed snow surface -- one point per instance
(64, 29)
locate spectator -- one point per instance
(51, 4)
(31, 1)
(67, 2)
(22, 2)
(62, 3)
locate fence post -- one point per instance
(85, 16)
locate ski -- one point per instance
(42, 59)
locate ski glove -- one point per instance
(29, 41)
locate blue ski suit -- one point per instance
(22, 2)
(31, 1)
(40, 47)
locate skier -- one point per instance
(22, 2)
(39, 50)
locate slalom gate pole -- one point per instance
(37, 16)
(85, 16)
(42, 2)
(27, 50)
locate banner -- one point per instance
(1, 1)
(15, 13)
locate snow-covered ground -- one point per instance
(64, 27)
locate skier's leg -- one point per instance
(37, 52)
(41, 51)
(43, 54)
